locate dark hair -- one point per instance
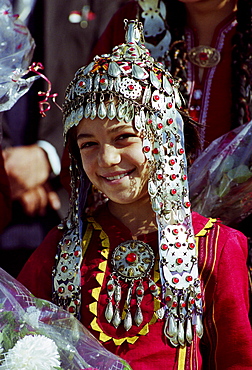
(241, 57)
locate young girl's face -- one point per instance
(113, 159)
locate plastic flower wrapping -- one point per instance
(37, 335)
(16, 51)
(220, 179)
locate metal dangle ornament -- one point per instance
(204, 56)
(130, 85)
(132, 262)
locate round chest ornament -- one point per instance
(132, 260)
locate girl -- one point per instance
(154, 283)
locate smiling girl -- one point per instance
(157, 285)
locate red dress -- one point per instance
(222, 253)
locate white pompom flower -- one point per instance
(33, 352)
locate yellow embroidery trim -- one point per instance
(181, 358)
(208, 225)
(93, 307)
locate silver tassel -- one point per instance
(189, 333)
(128, 321)
(87, 111)
(102, 112)
(171, 327)
(181, 333)
(93, 111)
(109, 312)
(116, 318)
(111, 110)
(138, 316)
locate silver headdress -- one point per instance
(147, 95)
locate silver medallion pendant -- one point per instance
(132, 262)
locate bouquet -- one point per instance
(220, 180)
(37, 335)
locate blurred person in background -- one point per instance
(64, 34)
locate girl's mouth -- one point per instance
(118, 177)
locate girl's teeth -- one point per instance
(118, 177)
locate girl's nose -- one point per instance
(108, 156)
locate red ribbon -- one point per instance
(44, 105)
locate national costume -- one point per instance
(178, 294)
(227, 331)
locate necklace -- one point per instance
(204, 56)
(132, 262)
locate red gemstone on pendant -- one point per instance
(189, 278)
(61, 289)
(164, 247)
(175, 232)
(149, 121)
(153, 287)
(173, 176)
(146, 149)
(64, 268)
(68, 241)
(71, 309)
(169, 105)
(131, 87)
(172, 162)
(110, 287)
(77, 302)
(187, 204)
(131, 257)
(183, 304)
(173, 191)
(191, 246)
(179, 261)
(170, 121)
(160, 126)
(77, 253)
(184, 177)
(160, 176)
(177, 245)
(203, 56)
(181, 151)
(155, 151)
(65, 256)
(102, 80)
(81, 83)
(174, 304)
(156, 97)
(168, 298)
(70, 287)
(175, 280)
(192, 301)
(199, 295)
(139, 292)
(171, 144)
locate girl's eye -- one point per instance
(87, 145)
(126, 136)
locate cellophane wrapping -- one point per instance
(220, 179)
(16, 51)
(22, 314)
